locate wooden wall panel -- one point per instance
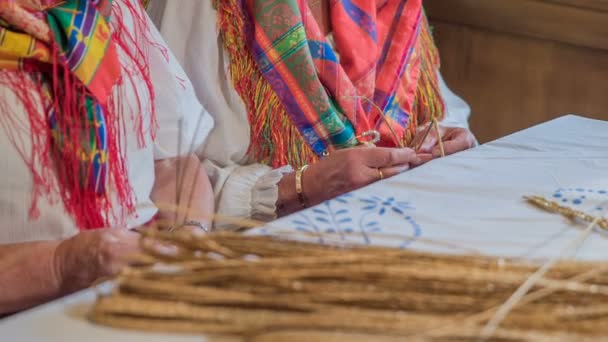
(597, 5)
(517, 69)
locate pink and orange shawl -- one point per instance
(303, 101)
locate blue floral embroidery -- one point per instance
(578, 196)
(338, 217)
(382, 205)
(592, 201)
(307, 225)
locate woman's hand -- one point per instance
(344, 171)
(455, 139)
(182, 192)
(91, 255)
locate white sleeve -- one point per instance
(183, 123)
(243, 192)
(457, 110)
(242, 189)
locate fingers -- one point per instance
(159, 247)
(131, 240)
(28, 22)
(424, 158)
(384, 157)
(455, 140)
(391, 171)
(123, 245)
(425, 139)
(428, 144)
(32, 5)
(388, 172)
(449, 147)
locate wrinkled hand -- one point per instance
(182, 192)
(94, 254)
(349, 169)
(455, 139)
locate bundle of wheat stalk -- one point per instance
(262, 286)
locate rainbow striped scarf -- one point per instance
(69, 53)
(303, 101)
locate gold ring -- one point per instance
(380, 174)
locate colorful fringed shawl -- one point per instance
(60, 58)
(303, 101)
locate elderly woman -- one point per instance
(292, 83)
(82, 148)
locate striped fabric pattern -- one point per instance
(332, 101)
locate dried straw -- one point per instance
(261, 288)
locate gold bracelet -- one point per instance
(299, 190)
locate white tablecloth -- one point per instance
(473, 202)
(466, 203)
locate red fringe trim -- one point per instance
(56, 172)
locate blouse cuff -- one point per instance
(250, 192)
(266, 193)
